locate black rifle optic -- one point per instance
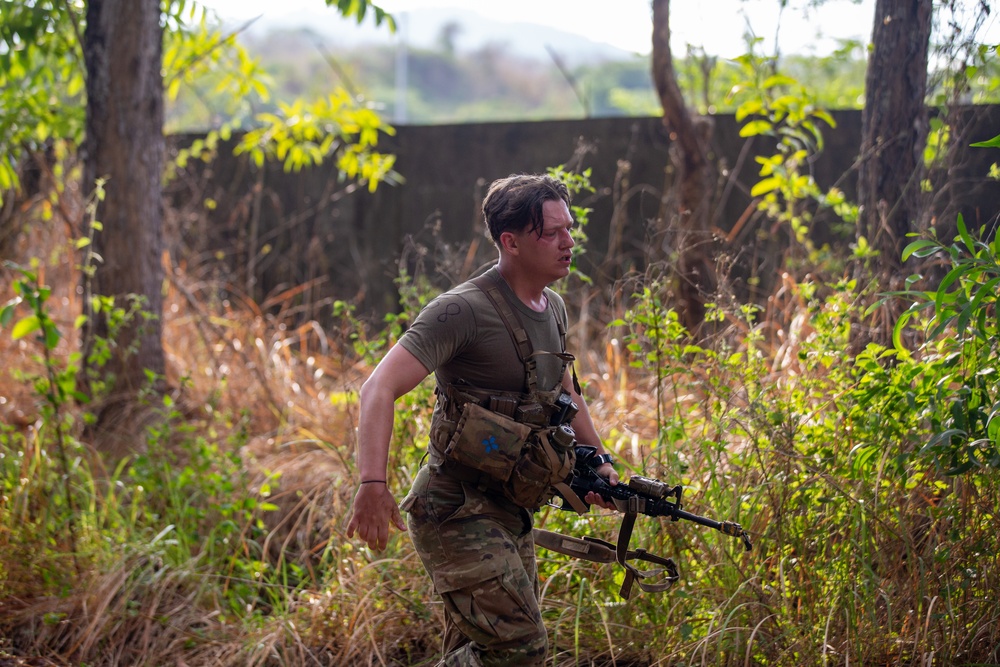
(640, 495)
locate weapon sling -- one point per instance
(599, 551)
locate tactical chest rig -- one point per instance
(519, 445)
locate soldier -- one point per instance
(505, 396)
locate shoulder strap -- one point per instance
(562, 334)
(520, 336)
(513, 324)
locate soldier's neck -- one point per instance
(530, 292)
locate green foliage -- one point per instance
(822, 460)
(303, 134)
(56, 386)
(202, 64)
(960, 344)
(226, 81)
(41, 80)
(836, 81)
(626, 88)
(969, 74)
(654, 340)
(183, 499)
(42, 91)
(620, 88)
(195, 500)
(983, 74)
(990, 143)
(779, 107)
(358, 9)
(492, 84)
(576, 183)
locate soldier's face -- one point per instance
(550, 254)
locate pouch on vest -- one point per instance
(548, 459)
(487, 441)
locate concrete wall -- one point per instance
(304, 228)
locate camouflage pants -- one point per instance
(480, 554)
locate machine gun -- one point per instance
(640, 495)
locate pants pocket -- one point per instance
(434, 498)
(492, 602)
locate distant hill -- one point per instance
(424, 29)
(462, 67)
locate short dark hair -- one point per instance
(514, 203)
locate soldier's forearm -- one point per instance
(374, 433)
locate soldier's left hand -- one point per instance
(607, 471)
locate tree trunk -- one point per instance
(123, 46)
(894, 128)
(694, 244)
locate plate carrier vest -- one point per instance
(517, 444)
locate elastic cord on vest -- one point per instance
(373, 481)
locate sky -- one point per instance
(716, 25)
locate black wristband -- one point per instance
(604, 458)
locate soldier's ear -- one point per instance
(509, 242)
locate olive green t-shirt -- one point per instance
(461, 336)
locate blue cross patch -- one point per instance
(490, 444)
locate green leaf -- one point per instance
(916, 246)
(943, 439)
(897, 333)
(784, 102)
(6, 314)
(989, 143)
(862, 455)
(765, 186)
(778, 80)
(942, 324)
(26, 326)
(823, 115)
(987, 290)
(963, 232)
(963, 320)
(754, 128)
(943, 296)
(875, 306)
(52, 336)
(748, 108)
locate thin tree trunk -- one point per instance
(123, 48)
(894, 127)
(694, 243)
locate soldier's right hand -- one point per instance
(374, 508)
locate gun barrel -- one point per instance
(727, 527)
(703, 520)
